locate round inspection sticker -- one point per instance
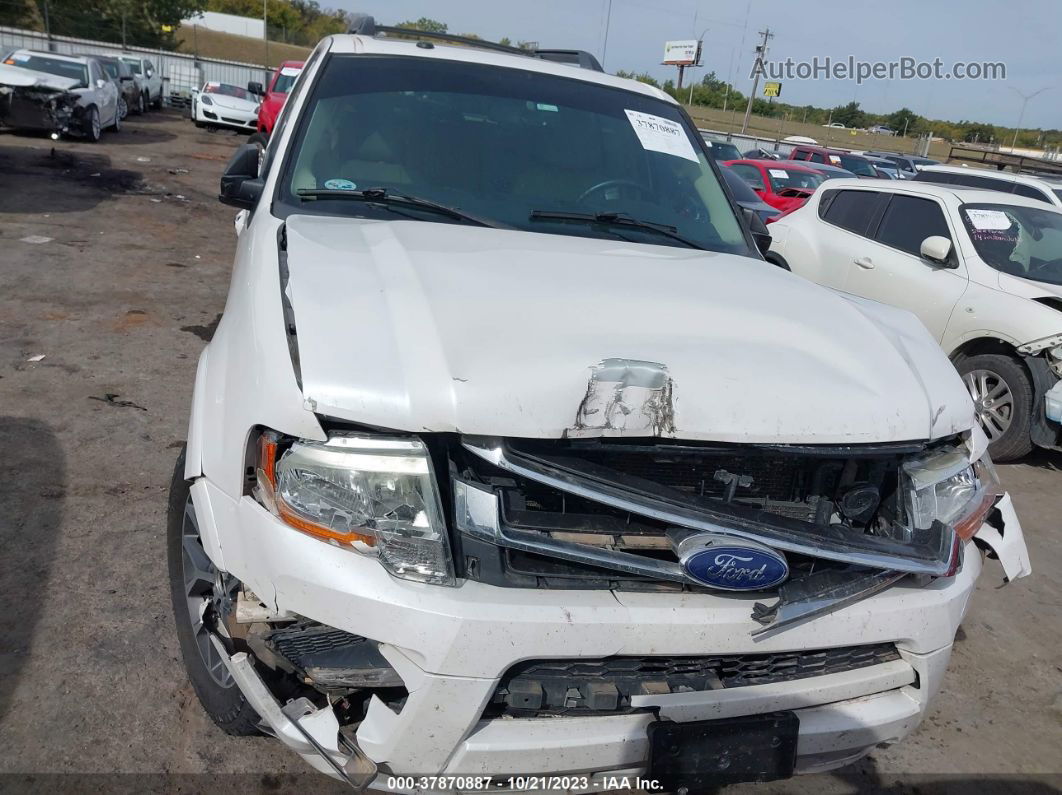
(340, 184)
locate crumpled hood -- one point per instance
(17, 77)
(423, 326)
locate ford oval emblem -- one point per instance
(731, 564)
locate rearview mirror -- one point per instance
(240, 184)
(255, 88)
(937, 249)
(758, 228)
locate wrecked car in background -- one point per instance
(484, 476)
(57, 94)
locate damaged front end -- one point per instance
(38, 107)
(812, 528)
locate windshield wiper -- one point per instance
(387, 198)
(614, 219)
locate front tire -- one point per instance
(193, 590)
(93, 129)
(1002, 393)
(116, 126)
(141, 104)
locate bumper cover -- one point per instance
(451, 646)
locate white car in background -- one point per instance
(1044, 188)
(224, 105)
(982, 270)
(147, 78)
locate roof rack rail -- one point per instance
(365, 25)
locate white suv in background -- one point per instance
(1043, 188)
(981, 270)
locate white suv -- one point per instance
(1044, 188)
(512, 458)
(982, 270)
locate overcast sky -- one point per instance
(1023, 34)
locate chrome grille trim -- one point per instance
(494, 451)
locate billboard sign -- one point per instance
(682, 53)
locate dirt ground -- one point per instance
(114, 265)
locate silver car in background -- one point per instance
(148, 80)
(36, 84)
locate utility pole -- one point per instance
(265, 32)
(1024, 101)
(48, 28)
(761, 53)
(123, 28)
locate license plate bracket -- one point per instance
(700, 755)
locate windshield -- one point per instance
(51, 66)
(722, 150)
(504, 145)
(285, 80)
(134, 64)
(1021, 241)
(228, 91)
(857, 165)
(782, 178)
(111, 68)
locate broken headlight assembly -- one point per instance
(373, 495)
(945, 486)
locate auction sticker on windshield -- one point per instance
(988, 220)
(779, 173)
(658, 134)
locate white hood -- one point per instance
(444, 327)
(232, 103)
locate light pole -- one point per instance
(1024, 101)
(761, 54)
(700, 48)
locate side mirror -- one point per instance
(255, 88)
(100, 82)
(240, 184)
(937, 249)
(758, 228)
(150, 72)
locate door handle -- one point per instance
(864, 262)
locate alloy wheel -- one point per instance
(993, 401)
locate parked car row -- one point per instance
(74, 94)
(252, 109)
(437, 516)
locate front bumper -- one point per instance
(1053, 403)
(451, 646)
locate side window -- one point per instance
(148, 66)
(1029, 192)
(939, 177)
(798, 154)
(854, 210)
(908, 221)
(750, 174)
(985, 183)
(817, 158)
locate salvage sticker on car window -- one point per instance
(658, 134)
(779, 173)
(988, 220)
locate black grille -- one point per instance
(607, 685)
(304, 646)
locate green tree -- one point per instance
(425, 24)
(981, 133)
(902, 119)
(849, 115)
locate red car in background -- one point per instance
(859, 166)
(784, 187)
(273, 98)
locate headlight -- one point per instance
(206, 100)
(373, 495)
(1054, 360)
(944, 486)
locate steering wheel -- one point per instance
(614, 183)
